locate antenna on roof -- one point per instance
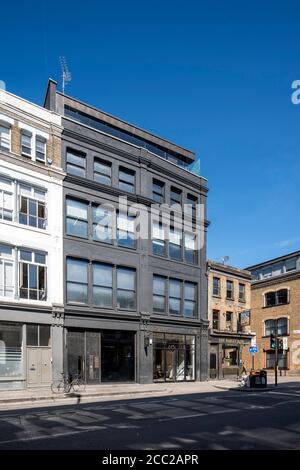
(65, 73)
(225, 259)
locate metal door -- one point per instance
(39, 370)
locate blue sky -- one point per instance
(213, 76)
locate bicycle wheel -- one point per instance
(58, 386)
(78, 386)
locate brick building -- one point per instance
(229, 302)
(275, 295)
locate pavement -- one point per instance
(104, 392)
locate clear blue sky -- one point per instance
(214, 76)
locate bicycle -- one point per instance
(67, 383)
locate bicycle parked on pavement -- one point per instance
(68, 383)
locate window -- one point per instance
(279, 297)
(77, 280)
(26, 143)
(76, 163)
(175, 196)
(102, 171)
(175, 243)
(242, 292)
(159, 294)
(282, 360)
(103, 224)
(158, 239)
(190, 252)
(216, 286)
(38, 335)
(6, 199)
(11, 360)
(216, 320)
(269, 327)
(229, 321)
(229, 290)
(158, 191)
(32, 275)
(190, 302)
(32, 206)
(291, 265)
(127, 180)
(77, 218)
(103, 285)
(191, 205)
(4, 137)
(125, 230)
(175, 296)
(6, 271)
(282, 326)
(40, 149)
(126, 290)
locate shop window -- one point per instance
(11, 358)
(230, 357)
(282, 360)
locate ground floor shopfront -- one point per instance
(226, 355)
(102, 351)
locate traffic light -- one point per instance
(280, 344)
(272, 341)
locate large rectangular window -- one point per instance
(190, 299)
(6, 271)
(175, 296)
(77, 218)
(32, 206)
(103, 285)
(4, 137)
(126, 288)
(76, 163)
(126, 230)
(32, 275)
(158, 191)
(159, 294)
(175, 244)
(190, 248)
(175, 196)
(6, 199)
(127, 180)
(77, 280)
(103, 224)
(158, 239)
(191, 206)
(102, 171)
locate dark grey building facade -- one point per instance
(135, 310)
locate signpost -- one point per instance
(253, 350)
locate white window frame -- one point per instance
(6, 122)
(4, 261)
(33, 197)
(35, 134)
(35, 263)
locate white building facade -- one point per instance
(31, 244)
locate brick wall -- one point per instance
(259, 314)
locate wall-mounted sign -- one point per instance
(245, 318)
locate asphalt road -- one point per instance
(217, 420)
